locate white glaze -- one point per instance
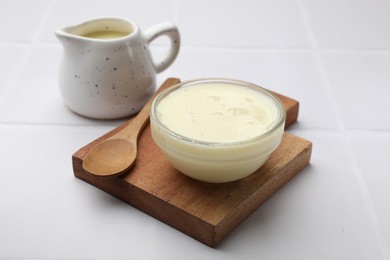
(111, 78)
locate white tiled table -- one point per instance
(333, 56)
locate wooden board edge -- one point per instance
(245, 209)
(204, 232)
(147, 203)
(292, 109)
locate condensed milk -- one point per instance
(217, 130)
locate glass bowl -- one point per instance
(215, 159)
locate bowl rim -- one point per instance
(278, 123)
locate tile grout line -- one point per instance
(356, 133)
(176, 11)
(368, 202)
(39, 124)
(224, 48)
(21, 64)
(27, 53)
(44, 21)
(241, 48)
(319, 64)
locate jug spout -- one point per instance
(62, 35)
(75, 32)
(98, 29)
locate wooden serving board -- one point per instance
(207, 212)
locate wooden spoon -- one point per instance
(118, 153)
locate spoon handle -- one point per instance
(139, 122)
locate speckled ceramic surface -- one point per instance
(113, 76)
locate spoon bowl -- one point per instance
(115, 160)
(118, 153)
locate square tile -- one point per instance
(363, 24)
(11, 56)
(360, 83)
(22, 19)
(371, 151)
(264, 24)
(35, 96)
(292, 74)
(46, 212)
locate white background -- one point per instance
(331, 55)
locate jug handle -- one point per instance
(170, 30)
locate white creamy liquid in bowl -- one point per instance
(217, 131)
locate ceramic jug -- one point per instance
(107, 70)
